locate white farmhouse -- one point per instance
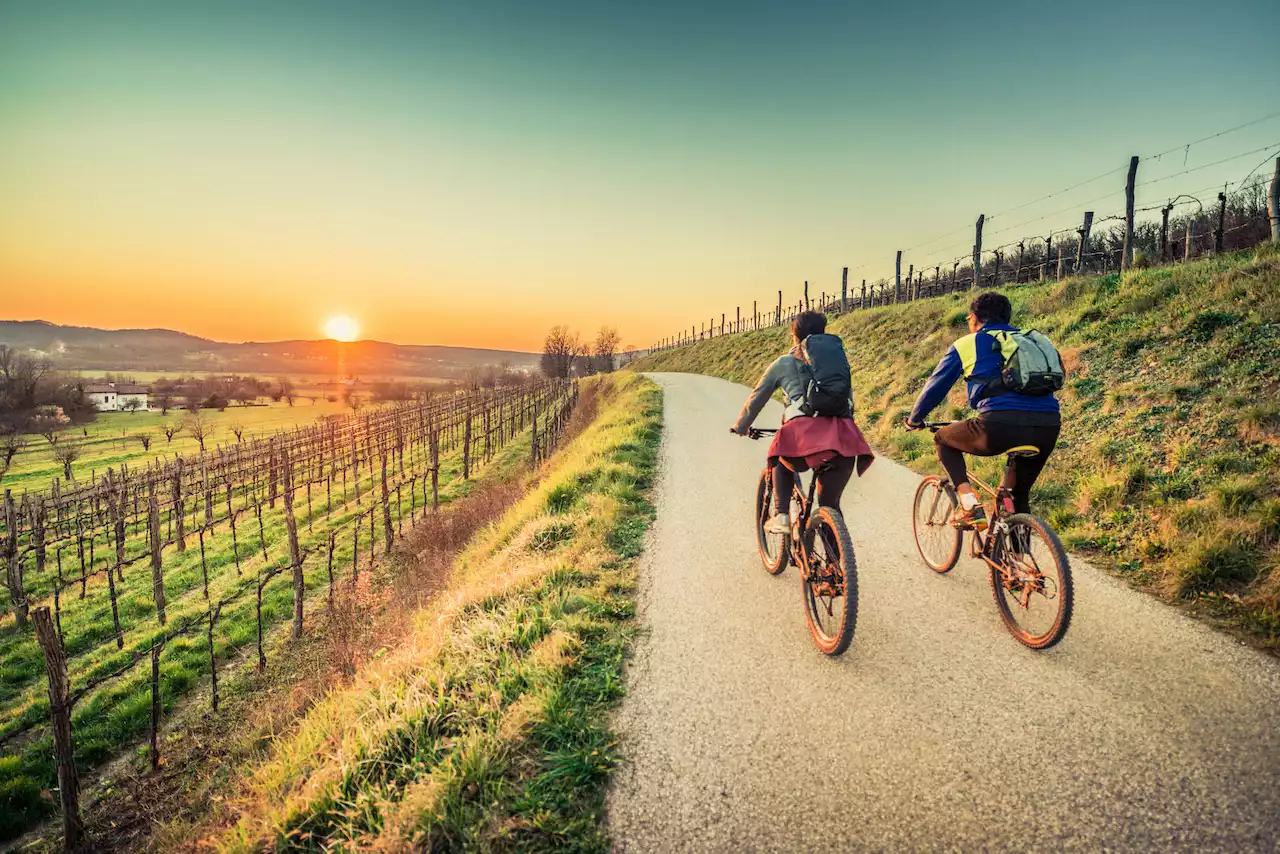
(117, 397)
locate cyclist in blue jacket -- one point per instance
(1004, 419)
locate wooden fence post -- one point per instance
(177, 512)
(1082, 247)
(897, 278)
(295, 552)
(157, 577)
(1164, 231)
(1022, 251)
(977, 251)
(1219, 233)
(995, 279)
(1273, 203)
(386, 508)
(1186, 243)
(1126, 258)
(156, 648)
(435, 468)
(863, 301)
(55, 662)
(13, 562)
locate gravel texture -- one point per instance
(1143, 730)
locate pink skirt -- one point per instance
(814, 440)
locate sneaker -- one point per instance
(975, 518)
(779, 524)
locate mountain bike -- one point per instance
(1030, 575)
(818, 543)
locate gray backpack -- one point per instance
(1032, 365)
(828, 389)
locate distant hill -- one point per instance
(164, 350)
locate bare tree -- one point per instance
(558, 352)
(353, 402)
(164, 402)
(237, 428)
(193, 400)
(145, 439)
(606, 347)
(171, 429)
(20, 376)
(67, 453)
(10, 446)
(198, 426)
(287, 389)
(131, 405)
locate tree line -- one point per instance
(565, 354)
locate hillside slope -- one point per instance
(87, 348)
(1169, 463)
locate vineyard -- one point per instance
(184, 565)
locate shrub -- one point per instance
(1260, 423)
(1236, 495)
(550, 537)
(1211, 562)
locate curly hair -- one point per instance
(991, 307)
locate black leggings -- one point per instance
(831, 482)
(988, 439)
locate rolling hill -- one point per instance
(87, 348)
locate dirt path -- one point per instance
(1143, 730)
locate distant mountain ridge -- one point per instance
(166, 350)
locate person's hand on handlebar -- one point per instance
(741, 432)
(912, 425)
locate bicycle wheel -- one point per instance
(1033, 589)
(937, 541)
(773, 547)
(831, 589)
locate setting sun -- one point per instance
(341, 327)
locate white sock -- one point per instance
(968, 500)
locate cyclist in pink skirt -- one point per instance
(805, 441)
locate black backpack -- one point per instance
(829, 389)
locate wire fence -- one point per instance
(1187, 225)
(375, 470)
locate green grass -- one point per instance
(113, 440)
(489, 728)
(1171, 403)
(118, 714)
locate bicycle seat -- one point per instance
(1023, 451)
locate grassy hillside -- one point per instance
(1169, 464)
(487, 729)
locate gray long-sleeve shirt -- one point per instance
(787, 373)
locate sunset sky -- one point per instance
(470, 173)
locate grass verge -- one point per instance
(1169, 462)
(488, 727)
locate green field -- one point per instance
(113, 439)
(1169, 462)
(117, 714)
(489, 729)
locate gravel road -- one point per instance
(1143, 730)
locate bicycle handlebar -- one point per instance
(933, 426)
(757, 432)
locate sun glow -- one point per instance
(341, 327)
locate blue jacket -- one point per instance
(977, 358)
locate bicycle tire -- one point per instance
(832, 643)
(773, 564)
(945, 559)
(1066, 592)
